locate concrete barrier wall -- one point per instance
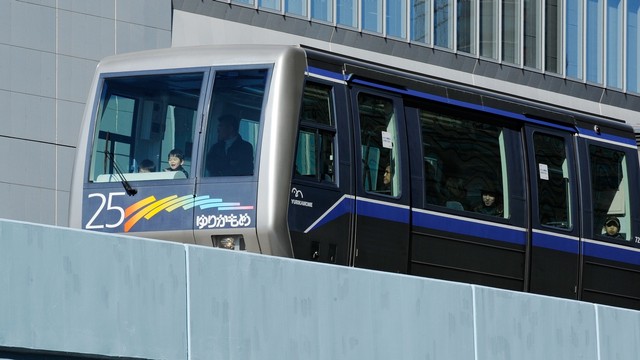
(78, 292)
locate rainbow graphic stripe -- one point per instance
(150, 207)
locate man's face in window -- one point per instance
(225, 131)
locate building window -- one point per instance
(575, 34)
(615, 22)
(347, 11)
(532, 33)
(297, 7)
(443, 23)
(244, 2)
(511, 31)
(595, 40)
(633, 50)
(372, 15)
(421, 21)
(553, 36)
(269, 4)
(489, 28)
(397, 18)
(466, 24)
(322, 10)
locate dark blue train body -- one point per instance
(558, 173)
(364, 165)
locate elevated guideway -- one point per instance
(71, 293)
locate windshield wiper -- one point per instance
(127, 187)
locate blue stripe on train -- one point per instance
(472, 228)
(476, 228)
(383, 211)
(390, 212)
(483, 108)
(343, 206)
(553, 242)
(609, 252)
(609, 137)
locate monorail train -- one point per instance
(296, 152)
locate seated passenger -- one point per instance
(176, 160)
(231, 155)
(612, 228)
(147, 166)
(386, 180)
(455, 194)
(490, 204)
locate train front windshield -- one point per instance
(156, 133)
(144, 121)
(140, 121)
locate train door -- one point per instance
(555, 228)
(468, 207)
(611, 260)
(321, 202)
(382, 193)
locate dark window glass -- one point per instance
(234, 122)
(143, 122)
(554, 181)
(464, 164)
(379, 139)
(610, 192)
(315, 156)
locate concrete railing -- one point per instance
(67, 291)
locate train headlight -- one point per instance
(229, 242)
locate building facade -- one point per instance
(593, 41)
(48, 53)
(564, 52)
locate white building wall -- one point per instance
(48, 53)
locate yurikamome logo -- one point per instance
(297, 198)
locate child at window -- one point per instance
(176, 160)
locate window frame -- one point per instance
(508, 141)
(206, 145)
(319, 130)
(98, 111)
(626, 227)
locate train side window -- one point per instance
(140, 121)
(315, 155)
(464, 163)
(610, 189)
(379, 139)
(233, 127)
(554, 195)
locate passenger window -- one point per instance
(379, 139)
(610, 188)
(142, 122)
(315, 156)
(464, 163)
(554, 195)
(233, 127)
